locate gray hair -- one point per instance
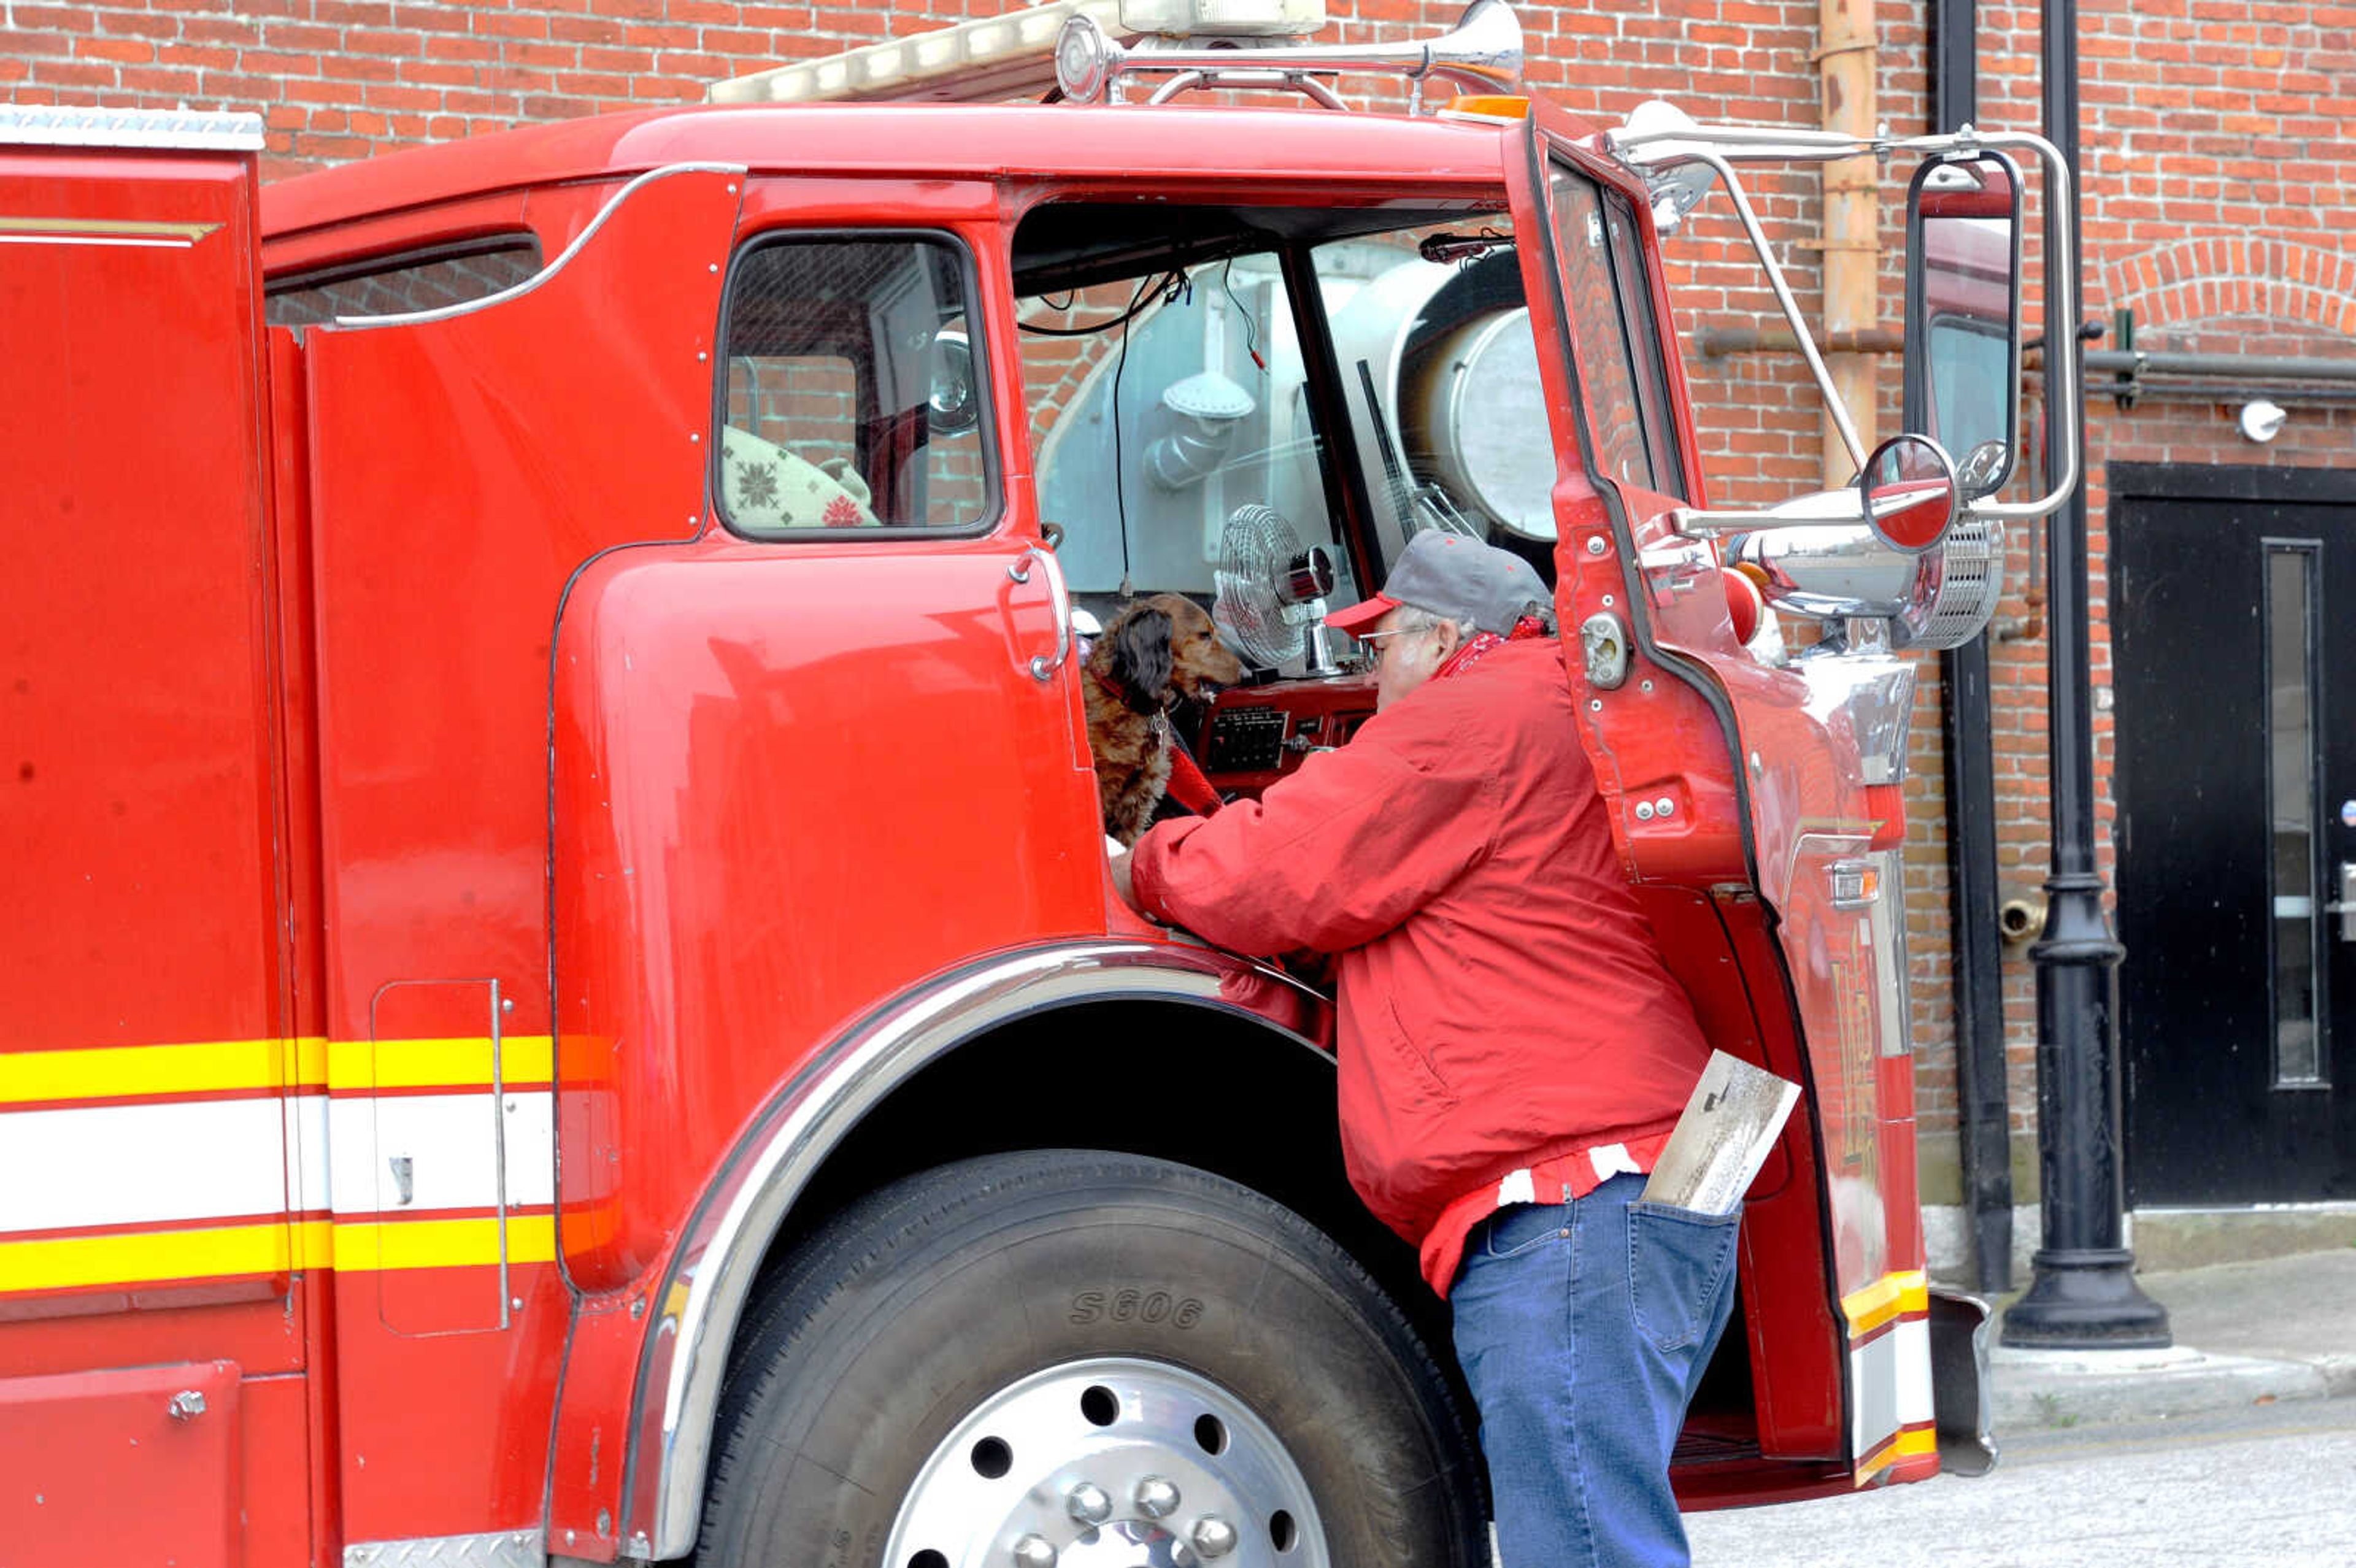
(1418, 619)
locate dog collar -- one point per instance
(1161, 716)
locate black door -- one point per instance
(2233, 627)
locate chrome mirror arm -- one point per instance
(1688, 153)
(1681, 141)
(1817, 509)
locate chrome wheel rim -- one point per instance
(1110, 1463)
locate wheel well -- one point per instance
(1173, 1080)
(1204, 1087)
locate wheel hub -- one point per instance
(1125, 1545)
(1111, 1463)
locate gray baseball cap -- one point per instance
(1457, 576)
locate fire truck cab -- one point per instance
(563, 1000)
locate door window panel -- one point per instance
(1600, 302)
(853, 390)
(1647, 349)
(2292, 802)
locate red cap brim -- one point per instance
(1360, 616)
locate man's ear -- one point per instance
(1141, 653)
(1447, 638)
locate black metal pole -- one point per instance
(2082, 1292)
(1981, 1090)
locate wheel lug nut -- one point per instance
(1157, 1497)
(1035, 1552)
(1213, 1537)
(1088, 1503)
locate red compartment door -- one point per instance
(137, 1465)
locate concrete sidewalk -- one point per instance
(2247, 1333)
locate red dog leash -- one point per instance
(1188, 787)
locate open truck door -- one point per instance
(1789, 831)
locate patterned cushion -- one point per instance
(766, 489)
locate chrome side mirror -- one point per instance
(1962, 313)
(1908, 492)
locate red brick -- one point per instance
(121, 51)
(2217, 169)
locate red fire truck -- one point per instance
(563, 996)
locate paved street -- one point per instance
(2271, 1484)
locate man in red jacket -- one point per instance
(1512, 1052)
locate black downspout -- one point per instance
(1971, 811)
(1980, 1085)
(2082, 1292)
(1980, 975)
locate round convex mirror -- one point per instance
(1908, 486)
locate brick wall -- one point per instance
(2217, 172)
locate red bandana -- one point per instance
(1483, 644)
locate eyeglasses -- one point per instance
(1377, 638)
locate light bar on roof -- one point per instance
(1223, 18)
(979, 61)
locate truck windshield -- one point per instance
(1174, 409)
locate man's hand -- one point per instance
(1120, 880)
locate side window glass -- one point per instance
(1603, 288)
(398, 286)
(1645, 343)
(853, 390)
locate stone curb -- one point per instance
(2044, 1391)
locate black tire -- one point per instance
(919, 1304)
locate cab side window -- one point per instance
(399, 285)
(853, 389)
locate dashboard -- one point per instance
(1254, 735)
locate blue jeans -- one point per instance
(1583, 1329)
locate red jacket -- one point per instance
(1501, 1001)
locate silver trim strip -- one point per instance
(40, 125)
(517, 291)
(501, 1548)
(712, 1274)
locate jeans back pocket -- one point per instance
(1677, 1263)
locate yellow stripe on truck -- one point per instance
(1890, 1296)
(442, 1243)
(125, 1071)
(1906, 1445)
(437, 1063)
(268, 1066)
(220, 1251)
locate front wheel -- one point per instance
(1087, 1359)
